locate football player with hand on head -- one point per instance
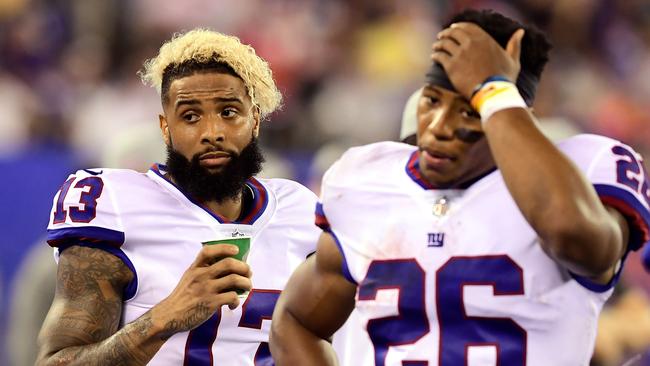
(484, 244)
(135, 285)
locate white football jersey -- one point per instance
(157, 231)
(458, 277)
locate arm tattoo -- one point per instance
(199, 312)
(90, 281)
(82, 326)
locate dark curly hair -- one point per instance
(535, 46)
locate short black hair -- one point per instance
(535, 46)
(190, 67)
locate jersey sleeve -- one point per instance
(618, 174)
(346, 195)
(322, 220)
(354, 189)
(85, 212)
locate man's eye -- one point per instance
(470, 113)
(191, 117)
(229, 113)
(433, 100)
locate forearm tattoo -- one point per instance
(83, 330)
(200, 312)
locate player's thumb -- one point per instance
(513, 48)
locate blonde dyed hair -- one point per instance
(204, 46)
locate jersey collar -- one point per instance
(413, 171)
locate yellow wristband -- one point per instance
(495, 96)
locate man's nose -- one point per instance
(442, 125)
(214, 129)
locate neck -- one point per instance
(230, 208)
(465, 182)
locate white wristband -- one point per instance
(496, 96)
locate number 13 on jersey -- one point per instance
(86, 210)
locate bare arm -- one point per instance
(81, 327)
(576, 228)
(555, 198)
(315, 303)
(86, 310)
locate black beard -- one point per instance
(204, 186)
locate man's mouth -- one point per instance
(436, 159)
(215, 159)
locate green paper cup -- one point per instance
(244, 245)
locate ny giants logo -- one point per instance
(435, 239)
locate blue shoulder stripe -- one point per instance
(321, 221)
(636, 213)
(58, 237)
(597, 287)
(638, 217)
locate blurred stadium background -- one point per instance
(70, 98)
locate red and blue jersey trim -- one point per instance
(627, 204)
(321, 222)
(413, 170)
(130, 289)
(597, 287)
(260, 199)
(99, 238)
(59, 237)
(638, 217)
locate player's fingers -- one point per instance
(233, 304)
(229, 298)
(442, 58)
(227, 266)
(446, 45)
(467, 29)
(230, 283)
(458, 36)
(212, 253)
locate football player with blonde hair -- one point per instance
(135, 284)
(202, 46)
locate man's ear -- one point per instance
(164, 129)
(256, 121)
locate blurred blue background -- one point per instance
(70, 96)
